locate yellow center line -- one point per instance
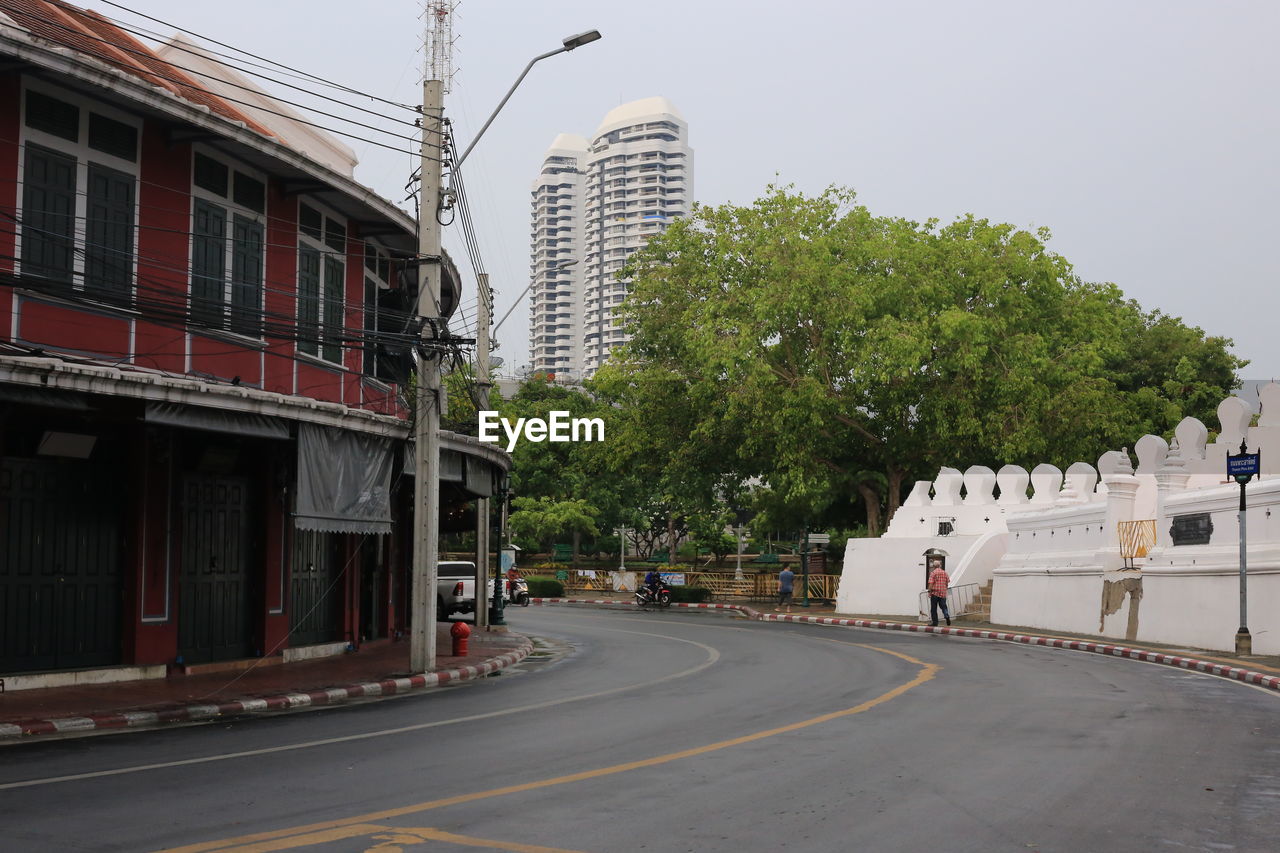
(301, 836)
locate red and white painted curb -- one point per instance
(1248, 676)
(284, 702)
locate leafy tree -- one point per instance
(827, 351)
(542, 520)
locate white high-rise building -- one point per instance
(594, 204)
(555, 300)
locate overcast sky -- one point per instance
(1143, 134)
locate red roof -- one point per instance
(89, 33)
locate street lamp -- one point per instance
(422, 646)
(570, 42)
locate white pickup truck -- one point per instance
(456, 588)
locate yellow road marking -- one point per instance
(393, 839)
(314, 833)
(713, 656)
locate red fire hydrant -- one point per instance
(460, 632)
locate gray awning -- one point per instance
(48, 398)
(479, 477)
(344, 481)
(216, 420)
(451, 467)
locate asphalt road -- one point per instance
(694, 732)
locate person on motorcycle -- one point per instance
(652, 581)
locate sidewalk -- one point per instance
(1261, 670)
(380, 668)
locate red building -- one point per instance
(205, 327)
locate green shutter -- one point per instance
(53, 116)
(209, 264)
(308, 300)
(333, 309)
(250, 193)
(113, 137)
(310, 222)
(211, 175)
(48, 215)
(246, 276)
(108, 250)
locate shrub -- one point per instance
(543, 587)
(551, 567)
(690, 594)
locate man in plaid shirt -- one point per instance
(938, 583)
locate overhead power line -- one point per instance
(280, 65)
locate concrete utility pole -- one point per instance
(484, 316)
(426, 507)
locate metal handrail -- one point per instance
(959, 599)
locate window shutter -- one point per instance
(48, 215)
(108, 251)
(209, 264)
(246, 276)
(308, 301)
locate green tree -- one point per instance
(542, 520)
(809, 343)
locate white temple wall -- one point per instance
(1051, 541)
(1190, 593)
(884, 577)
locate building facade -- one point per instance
(206, 326)
(595, 203)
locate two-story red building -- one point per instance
(205, 334)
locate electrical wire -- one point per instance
(205, 55)
(188, 84)
(305, 74)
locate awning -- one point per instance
(46, 397)
(344, 481)
(216, 420)
(451, 469)
(479, 477)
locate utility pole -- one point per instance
(484, 315)
(426, 507)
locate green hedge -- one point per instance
(690, 594)
(542, 587)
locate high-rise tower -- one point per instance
(555, 301)
(595, 203)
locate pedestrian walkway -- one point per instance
(378, 668)
(1259, 670)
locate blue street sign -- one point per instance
(1243, 465)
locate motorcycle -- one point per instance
(518, 591)
(660, 597)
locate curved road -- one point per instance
(693, 732)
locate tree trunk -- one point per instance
(872, 499)
(577, 543)
(896, 476)
(671, 536)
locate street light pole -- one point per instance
(1243, 467)
(569, 43)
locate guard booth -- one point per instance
(934, 557)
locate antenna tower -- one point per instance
(438, 51)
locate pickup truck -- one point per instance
(456, 588)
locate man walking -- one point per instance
(939, 580)
(786, 579)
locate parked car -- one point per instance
(456, 588)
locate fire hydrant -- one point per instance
(460, 632)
